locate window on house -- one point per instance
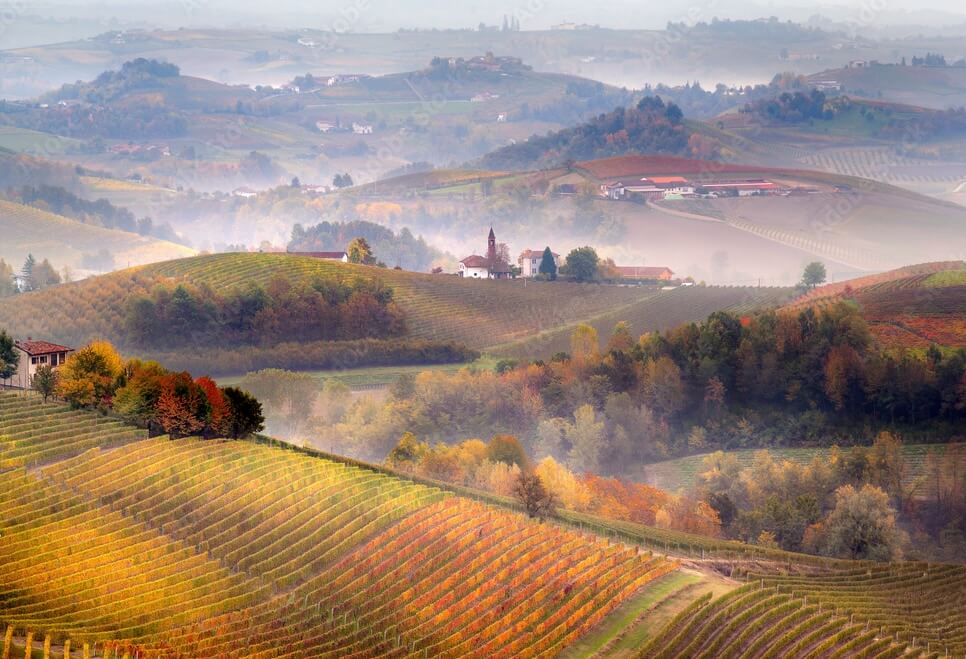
(33, 360)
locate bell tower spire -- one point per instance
(491, 247)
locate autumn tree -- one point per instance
(7, 286)
(218, 423)
(506, 449)
(584, 345)
(663, 386)
(862, 526)
(182, 408)
(537, 500)
(89, 375)
(45, 381)
(44, 275)
(621, 340)
(359, 251)
(587, 439)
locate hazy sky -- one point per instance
(389, 15)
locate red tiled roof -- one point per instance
(475, 261)
(534, 253)
(643, 272)
(658, 180)
(34, 348)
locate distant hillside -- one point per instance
(650, 127)
(67, 242)
(912, 307)
(938, 87)
(436, 308)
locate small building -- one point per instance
(646, 273)
(490, 266)
(530, 260)
(361, 129)
(32, 355)
(244, 192)
(325, 256)
(670, 185)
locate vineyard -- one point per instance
(220, 548)
(209, 548)
(64, 241)
(912, 307)
(884, 164)
(657, 312)
(437, 307)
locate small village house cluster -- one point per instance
(496, 265)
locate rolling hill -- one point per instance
(912, 307)
(249, 548)
(438, 308)
(66, 242)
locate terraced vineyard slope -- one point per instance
(656, 312)
(899, 609)
(911, 307)
(479, 314)
(218, 548)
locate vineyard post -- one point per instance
(28, 644)
(7, 641)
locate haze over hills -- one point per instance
(572, 331)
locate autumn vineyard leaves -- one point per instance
(114, 544)
(194, 548)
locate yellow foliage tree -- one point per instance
(89, 375)
(573, 493)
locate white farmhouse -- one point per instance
(32, 355)
(530, 259)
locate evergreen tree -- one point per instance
(8, 356)
(28, 272)
(548, 266)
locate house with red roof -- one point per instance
(641, 273)
(32, 355)
(490, 266)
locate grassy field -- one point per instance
(683, 472)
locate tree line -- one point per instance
(779, 378)
(283, 310)
(143, 393)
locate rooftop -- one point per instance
(34, 348)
